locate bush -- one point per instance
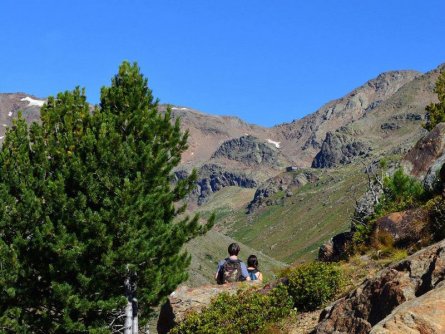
(246, 312)
(400, 192)
(313, 284)
(436, 111)
(436, 208)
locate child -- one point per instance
(252, 269)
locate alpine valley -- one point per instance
(282, 192)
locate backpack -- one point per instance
(252, 275)
(230, 272)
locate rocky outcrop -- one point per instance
(250, 151)
(405, 228)
(185, 300)
(302, 139)
(426, 158)
(378, 297)
(212, 178)
(286, 183)
(423, 315)
(339, 149)
(337, 248)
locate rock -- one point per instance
(376, 298)
(284, 182)
(338, 149)
(413, 117)
(389, 126)
(212, 178)
(426, 158)
(250, 151)
(406, 228)
(423, 315)
(336, 249)
(186, 300)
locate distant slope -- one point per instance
(302, 138)
(382, 117)
(12, 103)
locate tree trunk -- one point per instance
(128, 318)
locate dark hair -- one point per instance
(252, 261)
(233, 249)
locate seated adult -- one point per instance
(231, 269)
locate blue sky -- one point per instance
(267, 62)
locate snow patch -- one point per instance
(276, 143)
(1, 137)
(33, 102)
(5, 125)
(176, 108)
(10, 114)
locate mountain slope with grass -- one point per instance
(384, 115)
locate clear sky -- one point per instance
(267, 62)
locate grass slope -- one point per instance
(294, 228)
(207, 250)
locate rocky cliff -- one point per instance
(250, 151)
(388, 300)
(339, 149)
(212, 178)
(302, 139)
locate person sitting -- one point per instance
(231, 269)
(252, 269)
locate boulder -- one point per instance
(335, 249)
(423, 315)
(186, 300)
(426, 158)
(406, 228)
(376, 298)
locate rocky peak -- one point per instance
(250, 151)
(307, 135)
(339, 149)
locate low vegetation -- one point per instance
(400, 192)
(246, 312)
(436, 111)
(313, 284)
(310, 286)
(436, 208)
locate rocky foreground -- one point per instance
(407, 297)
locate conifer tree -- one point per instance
(89, 214)
(436, 111)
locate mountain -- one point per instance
(11, 104)
(287, 215)
(302, 139)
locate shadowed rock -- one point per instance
(376, 298)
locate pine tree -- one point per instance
(436, 111)
(90, 214)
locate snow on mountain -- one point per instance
(33, 102)
(276, 143)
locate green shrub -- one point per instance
(436, 208)
(246, 312)
(400, 192)
(313, 284)
(436, 111)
